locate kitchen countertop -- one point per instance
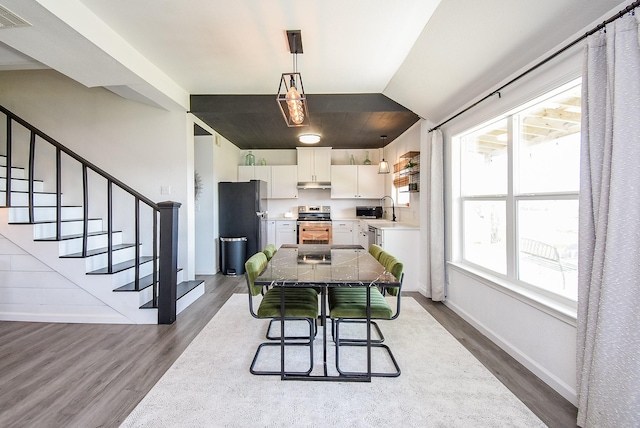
(388, 224)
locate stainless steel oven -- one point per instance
(314, 224)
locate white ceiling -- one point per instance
(431, 56)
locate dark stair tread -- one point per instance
(182, 289)
(97, 251)
(38, 180)
(38, 192)
(144, 282)
(68, 220)
(46, 206)
(119, 267)
(75, 236)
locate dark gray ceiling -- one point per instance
(344, 121)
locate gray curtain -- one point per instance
(435, 277)
(608, 329)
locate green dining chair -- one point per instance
(300, 304)
(348, 305)
(270, 251)
(375, 251)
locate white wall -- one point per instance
(145, 147)
(205, 262)
(409, 141)
(540, 337)
(30, 290)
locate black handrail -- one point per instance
(8, 162)
(65, 150)
(168, 241)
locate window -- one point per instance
(518, 193)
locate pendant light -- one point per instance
(383, 168)
(291, 97)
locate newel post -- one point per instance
(168, 269)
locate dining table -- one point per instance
(324, 266)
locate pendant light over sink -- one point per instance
(383, 168)
(291, 97)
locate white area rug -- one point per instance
(441, 385)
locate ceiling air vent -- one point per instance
(9, 19)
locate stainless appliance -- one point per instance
(369, 212)
(242, 212)
(314, 224)
(375, 236)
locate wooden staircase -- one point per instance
(93, 256)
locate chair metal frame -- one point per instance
(375, 343)
(308, 340)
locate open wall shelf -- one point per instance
(406, 173)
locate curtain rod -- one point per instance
(620, 14)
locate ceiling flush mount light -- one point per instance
(383, 168)
(309, 138)
(291, 97)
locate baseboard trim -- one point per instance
(550, 379)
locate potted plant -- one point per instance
(409, 166)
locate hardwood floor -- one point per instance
(85, 375)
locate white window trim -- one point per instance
(556, 305)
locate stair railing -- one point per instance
(164, 248)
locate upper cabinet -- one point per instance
(256, 172)
(282, 180)
(314, 164)
(356, 181)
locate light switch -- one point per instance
(165, 190)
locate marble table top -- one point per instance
(317, 265)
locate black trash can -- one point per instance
(233, 254)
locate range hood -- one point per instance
(314, 185)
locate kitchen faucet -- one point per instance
(393, 207)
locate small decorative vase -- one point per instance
(352, 160)
(263, 161)
(249, 159)
(366, 159)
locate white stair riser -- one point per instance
(189, 298)
(21, 214)
(72, 246)
(15, 172)
(47, 230)
(21, 185)
(100, 261)
(147, 294)
(121, 278)
(20, 199)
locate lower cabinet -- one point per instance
(404, 245)
(344, 232)
(286, 232)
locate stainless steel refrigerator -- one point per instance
(242, 212)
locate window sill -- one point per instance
(557, 306)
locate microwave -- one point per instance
(369, 212)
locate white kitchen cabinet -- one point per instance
(356, 181)
(363, 234)
(256, 172)
(271, 232)
(345, 232)
(286, 232)
(314, 164)
(284, 182)
(403, 244)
